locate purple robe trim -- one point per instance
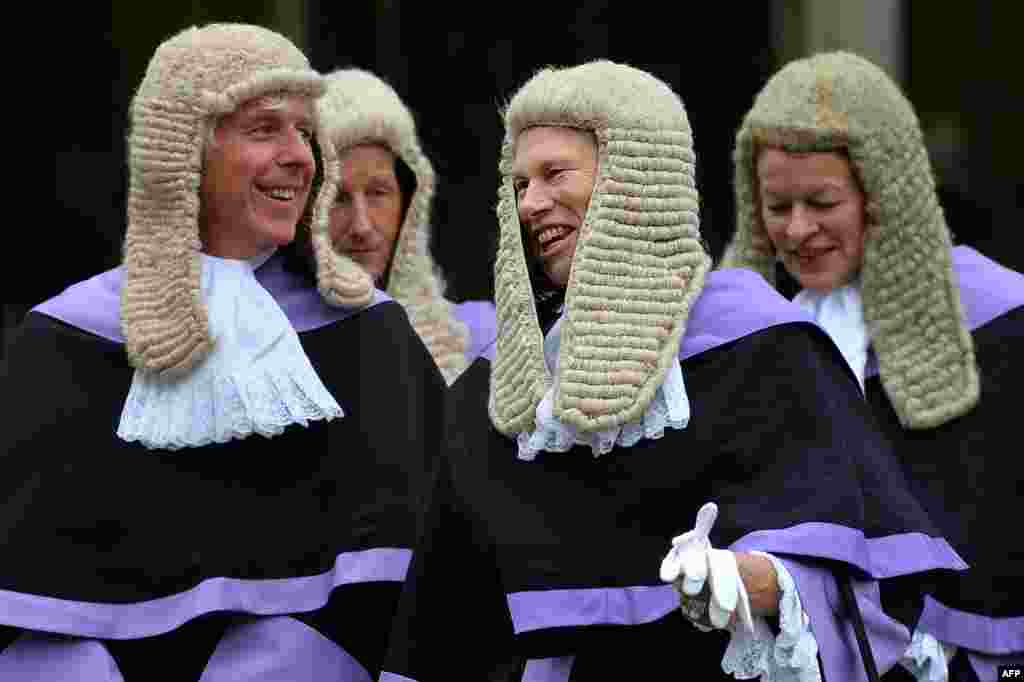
(978, 633)
(39, 657)
(987, 291)
(837, 642)
(548, 669)
(637, 605)
(481, 320)
(883, 557)
(394, 677)
(987, 667)
(157, 616)
(95, 304)
(280, 648)
(542, 609)
(735, 303)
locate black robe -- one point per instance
(157, 554)
(548, 570)
(968, 474)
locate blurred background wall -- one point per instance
(454, 67)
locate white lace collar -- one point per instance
(670, 408)
(841, 313)
(257, 378)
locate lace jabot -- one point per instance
(841, 313)
(257, 378)
(670, 408)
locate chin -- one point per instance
(820, 283)
(280, 236)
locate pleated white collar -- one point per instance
(256, 380)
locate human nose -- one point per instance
(361, 225)
(296, 150)
(534, 200)
(801, 224)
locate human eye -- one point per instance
(823, 204)
(262, 129)
(343, 198)
(519, 185)
(307, 134)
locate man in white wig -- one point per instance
(657, 393)
(381, 214)
(210, 457)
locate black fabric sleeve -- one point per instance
(452, 619)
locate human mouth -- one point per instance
(809, 256)
(279, 194)
(550, 238)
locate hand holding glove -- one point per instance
(708, 579)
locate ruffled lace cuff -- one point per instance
(670, 408)
(927, 659)
(791, 656)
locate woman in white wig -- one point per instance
(657, 393)
(833, 183)
(381, 215)
(209, 470)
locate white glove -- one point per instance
(692, 560)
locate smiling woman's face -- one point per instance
(367, 213)
(812, 207)
(553, 174)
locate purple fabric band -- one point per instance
(39, 657)
(280, 648)
(837, 643)
(264, 650)
(637, 605)
(154, 617)
(987, 291)
(481, 320)
(94, 304)
(548, 669)
(884, 557)
(394, 677)
(987, 667)
(543, 609)
(735, 303)
(983, 634)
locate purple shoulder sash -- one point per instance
(94, 304)
(735, 303)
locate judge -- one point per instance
(381, 215)
(606, 422)
(833, 182)
(209, 468)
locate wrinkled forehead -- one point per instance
(538, 146)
